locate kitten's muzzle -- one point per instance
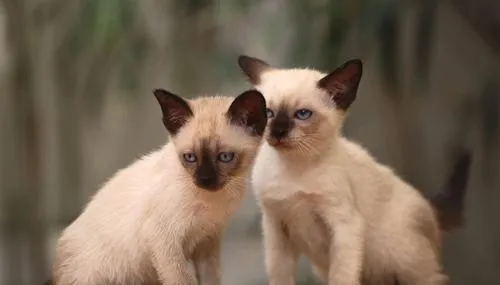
(207, 176)
(278, 138)
(208, 183)
(280, 126)
(279, 133)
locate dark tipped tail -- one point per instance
(449, 203)
(48, 282)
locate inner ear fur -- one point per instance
(342, 83)
(176, 111)
(248, 110)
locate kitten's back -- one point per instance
(114, 211)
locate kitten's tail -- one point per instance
(48, 282)
(449, 202)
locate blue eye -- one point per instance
(269, 113)
(190, 157)
(303, 114)
(225, 156)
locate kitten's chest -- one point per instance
(207, 220)
(280, 183)
(306, 229)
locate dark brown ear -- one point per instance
(248, 111)
(252, 67)
(176, 111)
(342, 84)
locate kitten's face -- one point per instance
(300, 115)
(305, 107)
(216, 138)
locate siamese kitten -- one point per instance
(326, 197)
(151, 219)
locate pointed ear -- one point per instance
(176, 111)
(342, 84)
(253, 68)
(248, 110)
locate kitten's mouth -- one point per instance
(210, 188)
(278, 143)
(209, 184)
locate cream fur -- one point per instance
(149, 221)
(326, 197)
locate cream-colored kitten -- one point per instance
(326, 197)
(148, 222)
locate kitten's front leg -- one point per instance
(171, 265)
(206, 261)
(347, 245)
(281, 258)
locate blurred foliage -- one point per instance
(490, 117)
(106, 35)
(320, 39)
(111, 32)
(389, 47)
(426, 20)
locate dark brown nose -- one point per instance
(207, 175)
(279, 133)
(207, 183)
(281, 125)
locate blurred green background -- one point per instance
(76, 104)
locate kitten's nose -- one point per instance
(281, 125)
(207, 181)
(279, 133)
(207, 175)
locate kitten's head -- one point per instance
(306, 108)
(216, 138)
